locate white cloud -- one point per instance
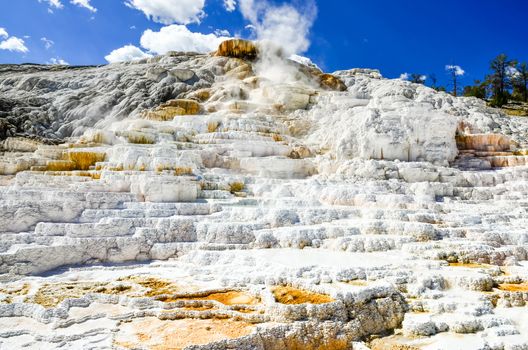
(284, 24)
(456, 69)
(222, 32)
(14, 44)
(53, 4)
(512, 72)
(84, 3)
(126, 53)
(230, 5)
(47, 42)
(404, 76)
(179, 38)
(58, 61)
(170, 38)
(170, 11)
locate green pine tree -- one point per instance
(477, 90)
(500, 80)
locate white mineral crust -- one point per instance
(254, 214)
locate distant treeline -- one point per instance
(506, 81)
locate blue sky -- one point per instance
(394, 36)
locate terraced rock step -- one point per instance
(218, 208)
(486, 151)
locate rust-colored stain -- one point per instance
(155, 286)
(233, 298)
(226, 298)
(181, 171)
(291, 296)
(155, 334)
(96, 175)
(316, 344)
(235, 187)
(331, 82)
(470, 265)
(51, 295)
(140, 139)
(173, 108)
(510, 287)
(484, 142)
(75, 160)
(277, 137)
(60, 165)
(167, 291)
(83, 160)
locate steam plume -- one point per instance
(283, 31)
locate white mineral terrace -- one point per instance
(248, 213)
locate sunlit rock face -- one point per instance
(238, 48)
(213, 202)
(485, 151)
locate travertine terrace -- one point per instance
(222, 201)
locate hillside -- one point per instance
(243, 200)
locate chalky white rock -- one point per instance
(261, 215)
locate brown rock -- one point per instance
(300, 152)
(325, 80)
(241, 72)
(292, 296)
(164, 113)
(238, 48)
(191, 107)
(201, 95)
(173, 108)
(484, 142)
(331, 82)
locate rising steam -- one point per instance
(282, 31)
(285, 24)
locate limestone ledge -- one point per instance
(199, 196)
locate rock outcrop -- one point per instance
(196, 204)
(238, 48)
